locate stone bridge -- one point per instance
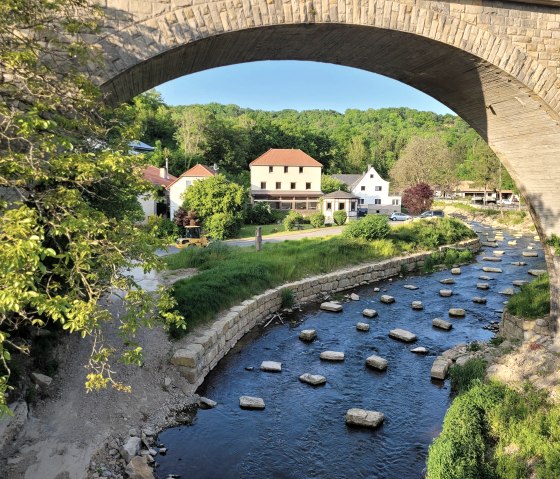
(495, 63)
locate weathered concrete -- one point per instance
(363, 417)
(377, 362)
(313, 379)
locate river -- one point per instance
(302, 432)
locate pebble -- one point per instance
(369, 313)
(362, 327)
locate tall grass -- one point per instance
(532, 301)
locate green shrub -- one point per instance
(221, 226)
(369, 228)
(533, 299)
(163, 228)
(259, 213)
(317, 220)
(339, 217)
(287, 296)
(463, 377)
(292, 219)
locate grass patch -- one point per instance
(532, 301)
(462, 377)
(248, 231)
(506, 217)
(229, 275)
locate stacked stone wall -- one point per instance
(512, 327)
(200, 352)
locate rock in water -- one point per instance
(447, 281)
(363, 417)
(402, 335)
(354, 297)
(441, 324)
(488, 269)
(482, 286)
(362, 327)
(519, 282)
(485, 278)
(536, 272)
(455, 270)
(387, 299)
(138, 468)
(440, 367)
(519, 263)
(457, 312)
(492, 259)
(377, 362)
(508, 291)
(445, 293)
(417, 305)
(313, 379)
(332, 356)
(530, 254)
(330, 306)
(369, 313)
(498, 252)
(419, 350)
(479, 300)
(250, 402)
(206, 403)
(308, 335)
(271, 366)
(410, 286)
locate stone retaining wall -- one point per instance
(200, 352)
(512, 327)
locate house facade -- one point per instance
(156, 205)
(372, 191)
(286, 179)
(340, 201)
(178, 187)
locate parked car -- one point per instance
(432, 214)
(399, 217)
(362, 212)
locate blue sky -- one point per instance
(277, 85)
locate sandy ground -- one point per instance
(63, 432)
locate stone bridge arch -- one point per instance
(496, 64)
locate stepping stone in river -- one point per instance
(387, 299)
(486, 278)
(512, 242)
(479, 300)
(332, 356)
(402, 335)
(488, 269)
(455, 270)
(330, 306)
(482, 286)
(530, 247)
(519, 263)
(537, 272)
(440, 367)
(362, 327)
(489, 245)
(271, 366)
(530, 254)
(508, 292)
(519, 282)
(308, 335)
(498, 252)
(492, 258)
(445, 293)
(250, 402)
(313, 379)
(419, 350)
(410, 286)
(457, 312)
(363, 417)
(354, 297)
(377, 362)
(447, 281)
(417, 305)
(369, 313)
(441, 324)
(376, 290)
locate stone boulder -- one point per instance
(440, 367)
(362, 327)
(486, 278)
(498, 252)
(479, 300)
(419, 350)
(387, 299)
(512, 242)
(410, 286)
(11, 425)
(519, 282)
(271, 366)
(402, 335)
(492, 259)
(188, 356)
(377, 362)
(447, 281)
(41, 380)
(354, 297)
(330, 306)
(441, 324)
(369, 313)
(363, 417)
(530, 254)
(308, 335)
(482, 286)
(488, 269)
(250, 402)
(313, 379)
(455, 270)
(417, 305)
(206, 403)
(489, 244)
(138, 468)
(457, 312)
(445, 293)
(332, 356)
(130, 448)
(507, 292)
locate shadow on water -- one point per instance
(302, 433)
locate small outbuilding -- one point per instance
(340, 201)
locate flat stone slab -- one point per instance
(354, 297)
(447, 281)
(271, 366)
(530, 246)
(206, 403)
(363, 417)
(369, 313)
(537, 272)
(445, 293)
(489, 245)
(486, 278)
(377, 362)
(488, 269)
(387, 299)
(250, 402)
(512, 242)
(308, 335)
(417, 305)
(402, 335)
(508, 292)
(455, 270)
(498, 252)
(330, 306)
(419, 350)
(441, 324)
(519, 282)
(482, 286)
(457, 312)
(410, 286)
(440, 367)
(518, 263)
(479, 300)
(494, 259)
(313, 379)
(530, 254)
(362, 327)
(332, 356)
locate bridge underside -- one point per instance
(518, 125)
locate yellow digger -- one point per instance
(193, 237)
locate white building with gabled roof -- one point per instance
(178, 187)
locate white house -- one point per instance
(372, 191)
(340, 201)
(286, 179)
(159, 205)
(178, 187)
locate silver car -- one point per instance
(399, 217)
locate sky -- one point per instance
(298, 85)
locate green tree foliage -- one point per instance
(330, 184)
(259, 213)
(418, 198)
(339, 217)
(67, 221)
(369, 228)
(292, 219)
(317, 220)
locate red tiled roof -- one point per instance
(152, 174)
(197, 170)
(284, 157)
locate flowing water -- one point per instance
(302, 433)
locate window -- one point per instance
(278, 185)
(361, 201)
(341, 205)
(377, 201)
(292, 186)
(285, 169)
(378, 188)
(307, 186)
(271, 169)
(371, 176)
(329, 206)
(353, 206)
(263, 185)
(395, 202)
(301, 169)
(363, 188)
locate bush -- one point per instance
(222, 226)
(532, 301)
(418, 198)
(369, 228)
(463, 377)
(259, 214)
(339, 217)
(163, 228)
(288, 298)
(291, 220)
(317, 220)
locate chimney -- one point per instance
(163, 173)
